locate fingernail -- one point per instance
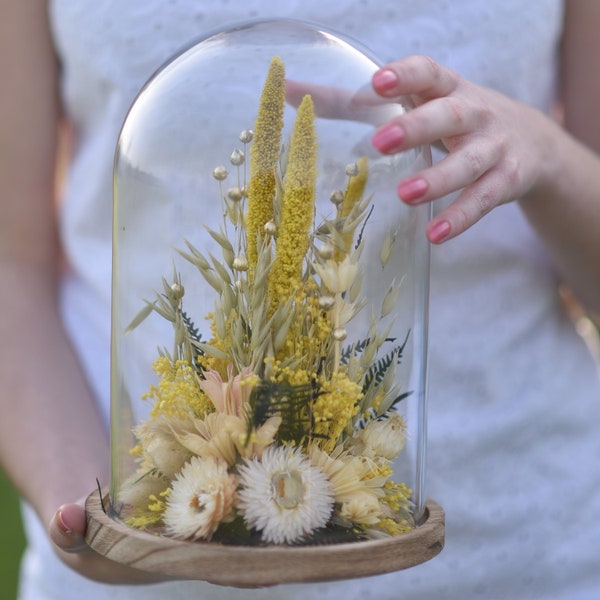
(410, 190)
(384, 80)
(61, 523)
(388, 138)
(438, 232)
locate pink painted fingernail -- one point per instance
(61, 523)
(384, 80)
(410, 190)
(388, 138)
(439, 232)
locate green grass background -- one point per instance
(12, 542)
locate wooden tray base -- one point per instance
(245, 567)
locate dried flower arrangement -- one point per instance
(276, 429)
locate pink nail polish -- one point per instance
(410, 190)
(61, 523)
(388, 138)
(384, 80)
(438, 232)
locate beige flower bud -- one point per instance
(220, 173)
(384, 438)
(326, 251)
(178, 291)
(339, 334)
(246, 136)
(336, 197)
(237, 157)
(235, 194)
(352, 169)
(327, 302)
(270, 228)
(240, 263)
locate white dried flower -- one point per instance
(161, 448)
(337, 277)
(283, 495)
(382, 438)
(363, 508)
(202, 496)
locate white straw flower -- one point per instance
(202, 496)
(283, 495)
(160, 445)
(363, 508)
(381, 438)
(349, 476)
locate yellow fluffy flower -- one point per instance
(333, 409)
(177, 394)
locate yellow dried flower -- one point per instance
(264, 155)
(298, 206)
(333, 409)
(354, 192)
(177, 394)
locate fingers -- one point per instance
(67, 528)
(418, 76)
(340, 103)
(439, 119)
(473, 203)
(456, 171)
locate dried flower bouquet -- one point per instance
(277, 429)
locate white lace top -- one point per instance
(514, 395)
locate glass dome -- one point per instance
(269, 299)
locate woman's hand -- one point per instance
(498, 149)
(67, 531)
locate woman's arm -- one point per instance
(500, 150)
(52, 443)
(568, 219)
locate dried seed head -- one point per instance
(337, 197)
(237, 157)
(235, 194)
(326, 251)
(270, 228)
(326, 302)
(220, 173)
(339, 334)
(240, 263)
(246, 136)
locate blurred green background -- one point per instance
(12, 542)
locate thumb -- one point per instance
(67, 528)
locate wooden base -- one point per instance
(244, 567)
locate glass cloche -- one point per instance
(269, 332)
